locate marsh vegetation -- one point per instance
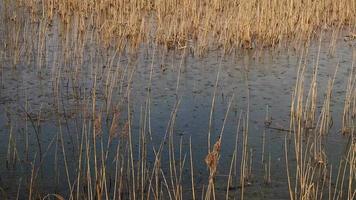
(177, 99)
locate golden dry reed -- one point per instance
(181, 24)
(308, 129)
(199, 25)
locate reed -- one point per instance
(92, 79)
(309, 132)
(174, 24)
(349, 113)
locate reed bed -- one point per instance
(197, 25)
(96, 150)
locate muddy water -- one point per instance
(53, 97)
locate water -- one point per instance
(58, 89)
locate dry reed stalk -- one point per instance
(155, 174)
(346, 178)
(157, 153)
(267, 171)
(80, 161)
(166, 184)
(60, 133)
(244, 154)
(129, 131)
(26, 131)
(12, 154)
(117, 181)
(94, 140)
(263, 146)
(213, 105)
(290, 190)
(32, 179)
(229, 180)
(349, 112)
(182, 160)
(191, 168)
(172, 159)
(212, 158)
(311, 160)
(39, 167)
(18, 189)
(142, 166)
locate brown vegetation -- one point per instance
(194, 24)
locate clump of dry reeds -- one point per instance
(308, 130)
(198, 25)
